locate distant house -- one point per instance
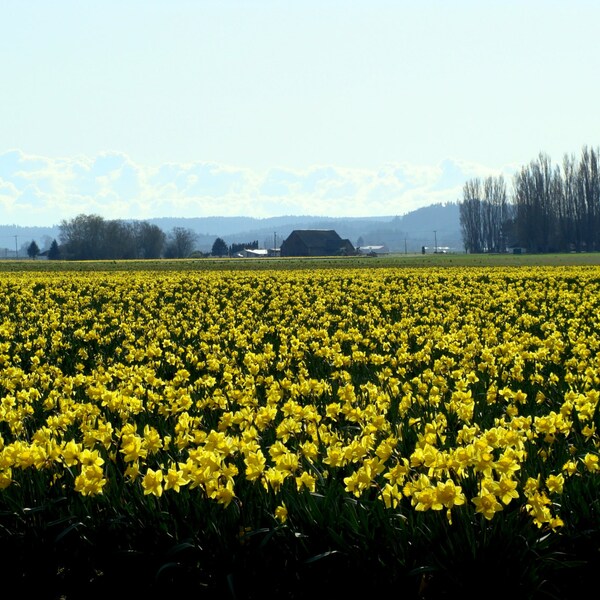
(517, 249)
(316, 242)
(373, 250)
(252, 253)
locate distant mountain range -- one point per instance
(437, 224)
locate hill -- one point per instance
(399, 233)
(16, 239)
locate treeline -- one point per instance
(91, 237)
(220, 247)
(233, 248)
(484, 215)
(552, 208)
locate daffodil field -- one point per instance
(241, 433)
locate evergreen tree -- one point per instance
(219, 248)
(54, 251)
(33, 250)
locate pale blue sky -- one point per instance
(271, 107)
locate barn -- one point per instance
(316, 242)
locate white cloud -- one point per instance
(37, 190)
(8, 191)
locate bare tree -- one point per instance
(470, 216)
(118, 241)
(150, 240)
(181, 243)
(82, 237)
(589, 198)
(568, 225)
(484, 213)
(494, 214)
(535, 188)
(92, 237)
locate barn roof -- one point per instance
(317, 237)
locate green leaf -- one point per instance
(68, 530)
(317, 557)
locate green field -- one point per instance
(353, 262)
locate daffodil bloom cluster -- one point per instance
(428, 390)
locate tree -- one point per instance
(569, 223)
(33, 250)
(118, 241)
(219, 248)
(92, 237)
(470, 216)
(536, 188)
(484, 213)
(53, 251)
(150, 240)
(495, 214)
(180, 243)
(552, 209)
(589, 192)
(83, 237)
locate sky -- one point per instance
(189, 108)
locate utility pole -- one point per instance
(16, 250)
(435, 247)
